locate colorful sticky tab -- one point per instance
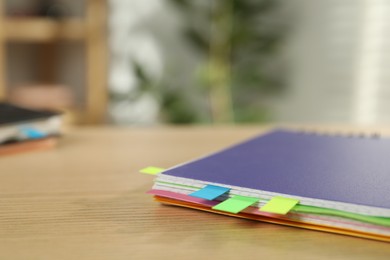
(32, 133)
(152, 170)
(279, 205)
(235, 204)
(210, 192)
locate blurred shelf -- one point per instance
(43, 29)
(91, 29)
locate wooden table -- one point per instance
(86, 200)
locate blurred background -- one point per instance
(150, 62)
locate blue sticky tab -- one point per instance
(210, 192)
(32, 133)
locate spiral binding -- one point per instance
(372, 135)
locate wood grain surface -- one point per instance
(86, 200)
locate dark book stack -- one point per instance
(23, 129)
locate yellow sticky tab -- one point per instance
(152, 170)
(279, 205)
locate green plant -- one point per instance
(241, 39)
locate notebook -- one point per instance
(24, 129)
(330, 183)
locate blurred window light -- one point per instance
(375, 16)
(338, 54)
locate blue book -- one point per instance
(336, 178)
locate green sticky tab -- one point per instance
(235, 204)
(152, 170)
(279, 205)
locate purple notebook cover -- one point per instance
(344, 169)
